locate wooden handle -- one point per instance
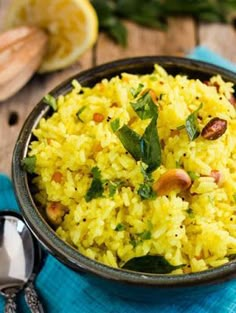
(21, 52)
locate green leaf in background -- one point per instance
(109, 22)
(154, 13)
(29, 164)
(155, 264)
(147, 13)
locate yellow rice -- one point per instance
(198, 230)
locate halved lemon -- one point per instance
(72, 26)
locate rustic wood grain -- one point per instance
(181, 36)
(220, 38)
(14, 111)
(178, 39)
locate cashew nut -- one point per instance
(173, 179)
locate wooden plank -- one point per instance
(141, 41)
(179, 39)
(220, 38)
(181, 36)
(14, 111)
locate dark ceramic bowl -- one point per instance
(125, 283)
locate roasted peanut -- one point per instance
(57, 177)
(55, 212)
(214, 129)
(218, 177)
(232, 100)
(174, 179)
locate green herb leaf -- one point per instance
(190, 212)
(146, 148)
(120, 227)
(193, 175)
(29, 164)
(109, 21)
(96, 188)
(145, 107)
(135, 92)
(149, 13)
(180, 127)
(131, 141)
(155, 264)
(146, 235)
(51, 101)
(191, 124)
(115, 125)
(177, 164)
(146, 192)
(113, 186)
(150, 147)
(79, 112)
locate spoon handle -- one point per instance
(32, 299)
(10, 306)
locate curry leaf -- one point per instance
(192, 126)
(150, 147)
(120, 227)
(113, 186)
(79, 112)
(96, 188)
(28, 164)
(145, 107)
(135, 92)
(145, 235)
(131, 141)
(51, 101)
(115, 124)
(155, 264)
(146, 192)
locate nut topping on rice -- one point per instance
(125, 174)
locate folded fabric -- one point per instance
(204, 54)
(64, 291)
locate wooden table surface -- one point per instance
(182, 36)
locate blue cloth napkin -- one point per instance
(63, 291)
(204, 54)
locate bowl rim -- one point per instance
(46, 235)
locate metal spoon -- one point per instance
(18, 252)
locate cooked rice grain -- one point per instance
(196, 228)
